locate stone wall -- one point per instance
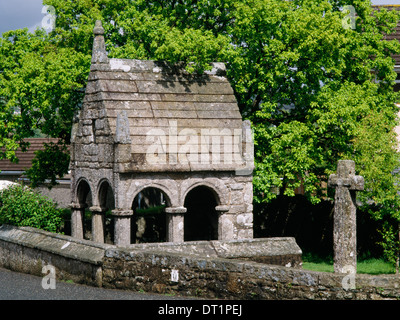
(182, 272)
(59, 193)
(28, 250)
(233, 279)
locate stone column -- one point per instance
(224, 232)
(122, 226)
(175, 224)
(77, 215)
(98, 223)
(344, 225)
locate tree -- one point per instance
(40, 88)
(315, 91)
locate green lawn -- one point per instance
(367, 266)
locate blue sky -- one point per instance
(16, 14)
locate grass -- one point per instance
(364, 265)
(375, 266)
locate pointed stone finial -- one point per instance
(98, 28)
(99, 54)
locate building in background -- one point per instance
(15, 172)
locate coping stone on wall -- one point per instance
(249, 249)
(96, 264)
(61, 245)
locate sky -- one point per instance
(17, 14)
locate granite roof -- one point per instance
(134, 100)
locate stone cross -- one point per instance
(344, 226)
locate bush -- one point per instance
(21, 206)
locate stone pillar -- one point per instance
(98, 223)
(175, 224)
(344, 225)
(77, 215)
(122, 226)
(247, 150)
(224, 232)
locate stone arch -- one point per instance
(131, 188)
(104, 201)
(160, 187)
(219, 189)
(83, 192)
(201, 217)
(105, 194)
(149, 223)
(83, 199)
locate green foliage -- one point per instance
(303, 80)
(20, 206)
(390, 244)
(41, 87)
(306, 84)
(314, 91)
(51, 162)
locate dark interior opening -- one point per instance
(201, 219)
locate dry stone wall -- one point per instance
(202, 270)
(233, 279)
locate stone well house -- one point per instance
(149, 125)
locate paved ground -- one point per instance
(19, 286)
(24, 296)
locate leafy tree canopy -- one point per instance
(41, 86)
(315, 91)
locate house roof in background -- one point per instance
(396, 34)
(25, 158)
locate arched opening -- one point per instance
(107, 204)
(201, 218)
(106, 196)
(83, 219)
(84, 194)
(149, 218)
